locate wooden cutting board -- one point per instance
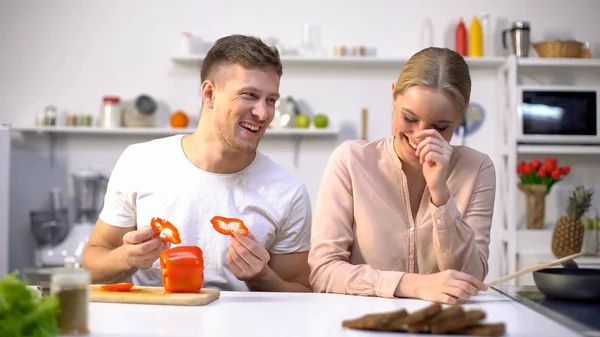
(153, 295)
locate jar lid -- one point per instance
(112, 99)
(71, 273)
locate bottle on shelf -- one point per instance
(486, 33)
(426, 34)
(475, 38)
(461, 37)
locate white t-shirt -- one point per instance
(155, 179)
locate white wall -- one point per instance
(71, 53)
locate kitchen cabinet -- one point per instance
(520, 247)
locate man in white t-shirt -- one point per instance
(216, 171)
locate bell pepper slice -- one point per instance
(228, 226)
(117, 287)
(166, 230)
(182, 269)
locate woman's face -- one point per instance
(420, 108)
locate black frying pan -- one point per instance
(572, 283)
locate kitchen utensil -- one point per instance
(575, 284)
(559, 49)
(519, 38)
(532, 269)
(153, 295)
(363, 124)
(570, 264)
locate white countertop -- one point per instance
(237, 314)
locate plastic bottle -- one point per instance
(475, 38)
(461, 38)
(488, 39)
(426, 34)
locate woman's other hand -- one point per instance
(435, 153)
(447, 286)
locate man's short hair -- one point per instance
(247, 51)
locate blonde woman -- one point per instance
(409, 215)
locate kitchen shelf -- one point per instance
(481, 62)
(558, 62)
(559, 149)
(298, 132)
(514, 240)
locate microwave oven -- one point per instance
(549, 114)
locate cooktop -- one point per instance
(583, 317)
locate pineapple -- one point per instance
(567, 237)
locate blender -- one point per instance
(88, 192)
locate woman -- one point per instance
(408, 215)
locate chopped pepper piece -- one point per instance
(182, 269)
(117, 287)
(166, 230)
(228, 226)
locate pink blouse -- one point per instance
(364, 237)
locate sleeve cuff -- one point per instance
(446, 215)
(388, 283)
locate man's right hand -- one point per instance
(447, 286)
(141, 249)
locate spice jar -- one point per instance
(71, 286)
(110, 113)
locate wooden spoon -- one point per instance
(532, 269)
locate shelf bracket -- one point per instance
(51, 148)
(297, 142)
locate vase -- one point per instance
(535, 199)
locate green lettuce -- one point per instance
(23, 313)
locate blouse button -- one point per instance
(410, 256)
(412, 229)
(438, 221)
(444, 253)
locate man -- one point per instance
(216, 171)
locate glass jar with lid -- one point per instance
(71, 285)
(110, 113)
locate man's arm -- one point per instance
(285, 273)
(284, 267)
(103, 255)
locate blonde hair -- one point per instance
(438, 68)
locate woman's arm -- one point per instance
(333, 236)
(462, 242)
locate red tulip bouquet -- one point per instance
(538, 173)
(537, 179)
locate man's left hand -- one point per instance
(246, 257)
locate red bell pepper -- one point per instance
(166, 230)
(182, 269)
(117, 287)
(228, 226)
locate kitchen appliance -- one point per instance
(5, 149)
(88, 190)
(577, 315)
(140, 112)
(520, 34)
(286, 110)
(550, 114)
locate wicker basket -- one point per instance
(564, 49)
